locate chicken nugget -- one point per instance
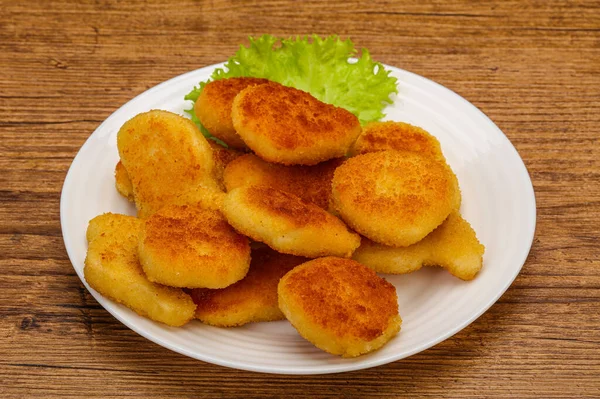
(165, 155)
(340, 306)
(311, 183)
(453, 246)
(222, 157)
(287, 223)
(398, 136)
(394, 198)
(192, 246)
(289, 126)
(252, 299)
(213, 107)
(112, 268)
(123, 183)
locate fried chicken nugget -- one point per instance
(394, 198)
(123, 183)
(311, 183)
(165, 155)
(400, 136)
(453, 246)
(112, 268)
(192, 246)
(340, 306)
(287, 223)
(222, 157)
(252, 299)
(289, 126)
(213, 107)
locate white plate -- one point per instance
(498, 201)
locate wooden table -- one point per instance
(532, 66)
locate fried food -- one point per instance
(213, 107)
(222, 157)
(287, 223)
(165, 155)
(398, 136)
(289, 126)
(311, 183)
(339, 305)
(123, 183)
(112, 268)
(192, 246)
(453, 246)
(393, 198)
(252, 299)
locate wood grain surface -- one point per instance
(532, 66)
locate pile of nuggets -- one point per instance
(292, 221)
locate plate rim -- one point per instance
(335, 368)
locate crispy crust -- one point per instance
(112, 268)
(340, 306)
(289, 126)
(252, 299)
(398, 136)
(287, 223)
(311, 183)
(393, 198)
(193, 247)
(453, 246)
(213, 107)
(165, 156)
(222, 157)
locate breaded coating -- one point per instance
(453, 246)
(192, 246)
(287, 223)
(398, 136)
(289, 126)
(311, 183)
(123, 183)
(112, 268)
(213, 107)
(252, 299)
(165, 155)
(393, 198)
(222, 157)
(340, 306)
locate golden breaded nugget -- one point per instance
(311, 183)
(165, 155)
(453, 246)
(112, 268)
(252, 299)
(123, 183)
(393, 198)
(222, 157)
(287, 223)
(213, 107)
(289, 126)
(192, 246)
(398, 136)
(339, 305)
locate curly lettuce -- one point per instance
(329, 68)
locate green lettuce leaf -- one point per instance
(329, 68)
